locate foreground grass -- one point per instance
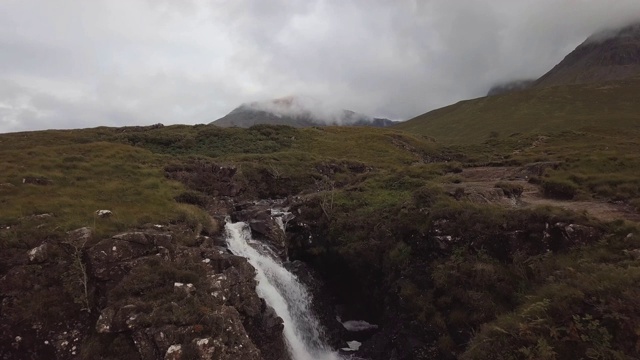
(84, 178)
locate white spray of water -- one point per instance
(285, 294)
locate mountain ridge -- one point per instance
(604, 56)
(596, 82)
(297, 112)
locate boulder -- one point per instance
(267, 222)
(37, 180)
(79, 236)
(217, 315)
(104, 213)
(561, 236)
(40, 253)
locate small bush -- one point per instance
(534, 180)
(426, 196)
(559, 189)
(510, 189)
(193, 198)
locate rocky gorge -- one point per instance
(413, 252)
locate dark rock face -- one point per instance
(266, 224)
(323, 303)
(533, 241)
(378, 291)
(158, 298)
(217, 315)
(38, 316)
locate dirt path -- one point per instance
(482, 180)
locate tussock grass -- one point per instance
(85, 178)
(533, 111)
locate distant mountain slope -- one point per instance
(605, 56)
(568, 107)
(597, 84)
(297, 112)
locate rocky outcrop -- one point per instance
(182, 302)
(206, 177)
(160, 299)
(267, 222)
(532, 241)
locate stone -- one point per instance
(104, 213)
(39, 254)
(37, 217)
(79, 236)
(37, 181)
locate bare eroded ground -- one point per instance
(482, 180)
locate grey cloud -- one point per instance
(65, 63)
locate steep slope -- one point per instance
(569, 107)
(297, 112)
(607, 55)
(595, 85)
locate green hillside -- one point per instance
(122, 168)
(533, 111)
(396, 232)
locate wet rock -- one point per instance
(323, 308)
(267, 223)
(402, 339)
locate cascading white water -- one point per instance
(285, 294)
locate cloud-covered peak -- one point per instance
(296, 111)
(66, 63)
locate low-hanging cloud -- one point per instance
(69, 63)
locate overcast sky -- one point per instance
(85, 63)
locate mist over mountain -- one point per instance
(598, 80)
(606, 55)
(610, 54)
(510, 86)
(296, 111)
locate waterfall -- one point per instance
(284, 293)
